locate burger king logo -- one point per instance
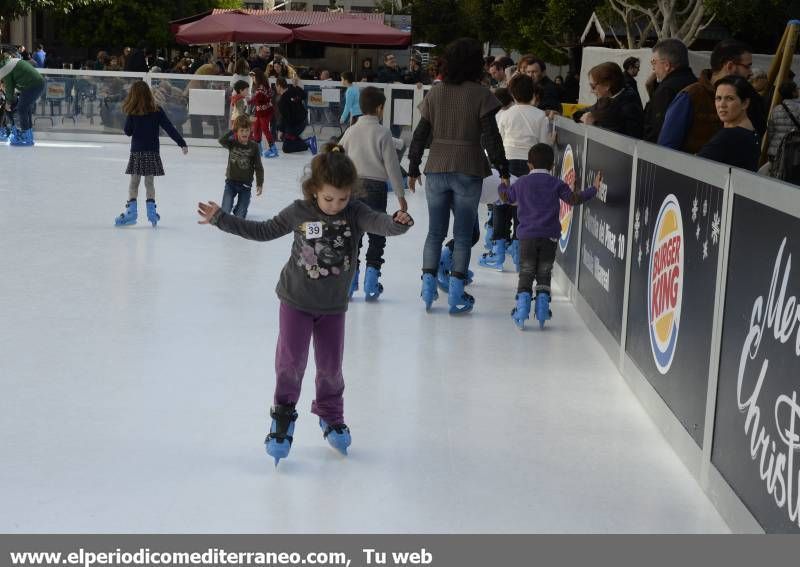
(665, 285)
(565, 212)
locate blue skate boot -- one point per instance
(543, 312)
(338, 435)
(4, 133)
(513, 251)
(22, 138)
(152, 215)
(523, 309)
(496, 258)
(354, 283)
(459, 300)
(128, 217)
(15, 137)
(281, 432)
(429, 293)
(272, 152)
(445, 265)
(312, 144)
(372, 287)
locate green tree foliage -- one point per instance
(128, 22)
(12, 9)
(758, 22)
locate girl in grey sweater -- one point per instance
(314, 288)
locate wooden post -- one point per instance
(783, 62)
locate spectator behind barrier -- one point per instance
(671, 72)
(780, 122)
(737, 143)
(618, 107)
(691, 118)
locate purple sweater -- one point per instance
(537, 195)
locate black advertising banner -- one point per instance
(757, 426)
(676, 231)
(605, 228)
(569, 160)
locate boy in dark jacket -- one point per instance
(244, 159)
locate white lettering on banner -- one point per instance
(776, 462)
(592, 263)
(601, 230)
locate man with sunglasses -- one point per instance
(691, 119)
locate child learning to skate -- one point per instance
(371, 147)
(313, 288)
(521, 127)
(263, 111)
(239, 100)
(537, 198)
(143, 122)
(244, 161)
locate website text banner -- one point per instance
(569, 167)
(605, 229)
(401, 550)
(676, 234)
(757, 426)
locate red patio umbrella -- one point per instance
(232, 26)
(354, 31)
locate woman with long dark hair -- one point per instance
(457, 115)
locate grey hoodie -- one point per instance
(317, 277)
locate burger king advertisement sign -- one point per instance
(676, 231)
(568, 166)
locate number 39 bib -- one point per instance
(313, 230)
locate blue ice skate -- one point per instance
(445, 267)
(128, 217)
(543, 312)
(312, 144)
(21, 138)
(372, 287)
(513, 251)
(152, 215)
(4, 133)
(272, 152)
(354, 283)
(523, 309)
(457, 298)
(429, 293)
(496, 258)
(338, 435)
(281, 432)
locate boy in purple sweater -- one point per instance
(537, 196)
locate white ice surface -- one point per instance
(136, 373)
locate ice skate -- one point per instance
(543, 312)
(338, 435)
(460, 301)
(354, 283)
(128, 217)
(4, 133)
(513, 251)
(445, 265)
(272, 152)
(522, 311)
(312, 144)
(429, 293)
(21, 138)
(152, 215)
(496, 258)
(281, 432)
(372, 287)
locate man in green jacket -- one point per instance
(24, 85)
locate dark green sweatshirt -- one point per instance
(243, 160)
(317, 277)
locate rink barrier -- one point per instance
(730, 225)
(83, 105)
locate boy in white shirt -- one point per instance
(522, 126)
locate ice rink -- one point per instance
(136, 372)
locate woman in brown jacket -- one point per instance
(458, 116)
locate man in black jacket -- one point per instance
(537, 70)
(670, 64)
(390, 72)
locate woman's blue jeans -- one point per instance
(445, 192)
(26, 103)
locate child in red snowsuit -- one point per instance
(261, 103)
